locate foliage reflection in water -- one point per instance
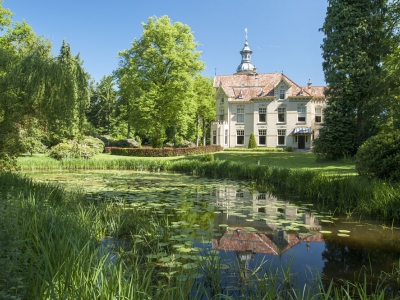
(243, 231)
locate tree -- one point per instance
(252, 141)
(36, 84)
(205, 104)
(103, 100)
(156, 75)
(357, 38)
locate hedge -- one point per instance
(162, 152)
(258, 149)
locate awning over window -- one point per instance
(302, 130)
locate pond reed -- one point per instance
(344, 194)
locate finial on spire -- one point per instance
(245, 30)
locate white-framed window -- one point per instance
(214, 137)
(222, 99)
(239, 194)
(221, 115)
(226, 136)
(281, 137)
(262, 114)
(282, 93)
(261, 197)
(281, 114)
(301, 114)
(240, 137)
(240, 115)
(318, 115)
(262, 136)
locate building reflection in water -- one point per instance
(258, 223)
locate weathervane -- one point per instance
(245, 30)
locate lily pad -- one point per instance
(343, 235)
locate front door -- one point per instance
(301, 142)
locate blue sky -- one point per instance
(284, 35)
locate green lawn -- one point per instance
(297, 160)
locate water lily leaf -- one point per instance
(190, 266)
(165, 259)
(184, 250)
(343, 235)
(325, 231)
(344, 231)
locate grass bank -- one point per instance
(54, 245)
(293, 160)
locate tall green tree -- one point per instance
(205, 106)
(357, 38)
(103, 100)
(36, 84)
(156, 75)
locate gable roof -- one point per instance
(252, 86)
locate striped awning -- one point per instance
(302, 130)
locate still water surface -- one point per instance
(244, 225)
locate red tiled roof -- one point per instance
(242, 241)
(261, 85)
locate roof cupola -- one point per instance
(246, 66)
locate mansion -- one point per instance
(275, 109)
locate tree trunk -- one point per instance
(197, 129)
(204, 132)
(128, 135)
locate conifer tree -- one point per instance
(252, 141)
(357, 37)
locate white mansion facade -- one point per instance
(279, 112)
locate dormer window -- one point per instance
(281, 94)
(222, 99)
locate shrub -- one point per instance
(162, 152)
(110, 142)
(71, 149)
(258, 149)
(379, 156)
(252, 141)
(289, 149)
(8, 162)
(94, 143)
(208, 157)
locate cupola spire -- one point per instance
(246, 66)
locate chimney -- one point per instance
(309, 83)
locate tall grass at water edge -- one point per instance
(344, 194)
(53, 246)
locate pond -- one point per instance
(245, 228)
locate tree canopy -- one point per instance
(205, 106)
(358, 36)
(156, 74)
(36, 84)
